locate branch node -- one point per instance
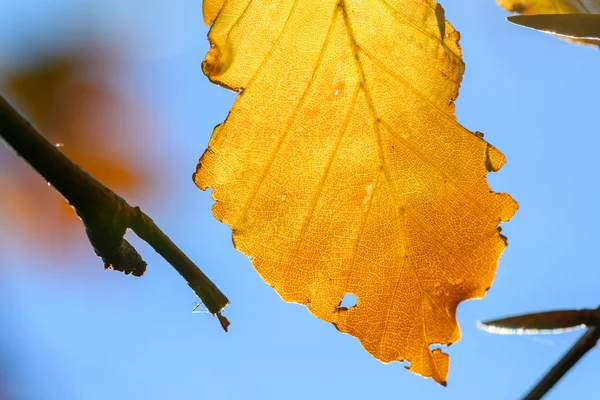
(126, 259)
(105, 215)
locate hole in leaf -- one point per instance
(438, 346)
(348, 301)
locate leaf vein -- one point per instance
(292, 118)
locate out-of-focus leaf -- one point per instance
(541, 323)
(341, 168)
(558, 25)
(577, 26)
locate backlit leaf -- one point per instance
(565, 26)
(341, 168)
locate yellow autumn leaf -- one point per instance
(341, 167)
(574, 27)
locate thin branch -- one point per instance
(105, 215)
(583, 345)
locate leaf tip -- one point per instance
(494, 159)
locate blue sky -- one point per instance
(95, 335)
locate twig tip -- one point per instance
(223, 320)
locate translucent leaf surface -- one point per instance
(341, 168)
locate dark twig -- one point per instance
(583, 345)
(105, 215)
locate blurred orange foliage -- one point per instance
(70, 98)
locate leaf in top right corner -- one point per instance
(575, 20)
